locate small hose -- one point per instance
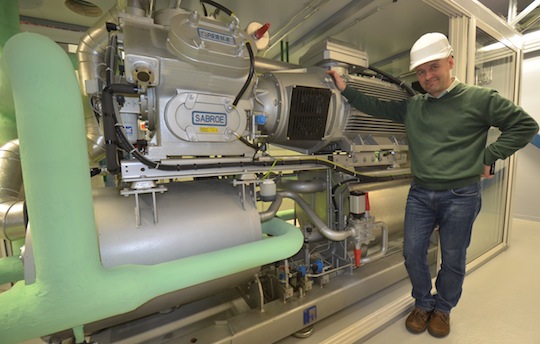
(218, 6)
(394, 80)
(250, 74)
(110, 123)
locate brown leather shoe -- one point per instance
(417, 321)
(439, 324)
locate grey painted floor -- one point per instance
(500, 301)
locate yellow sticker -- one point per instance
(208, 130)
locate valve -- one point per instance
(260, 34)
(360, 222)
(357, 254)
(261, 31)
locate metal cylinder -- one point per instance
(303, 110)
(192, 218)
(357, 203)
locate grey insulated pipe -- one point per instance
(317, 222)
(12, 206)
(93, 69)
(93, 44)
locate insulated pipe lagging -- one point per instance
(91, 51)
(70, 278)
(93, 70)
(319, 224)
(9, 25)
(93, 44)
(11, 270)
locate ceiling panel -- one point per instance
(383, 28)
(57, 11)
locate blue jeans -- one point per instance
(454, 212)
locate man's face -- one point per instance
(434, 76)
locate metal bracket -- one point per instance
(137, 192)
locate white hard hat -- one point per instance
(430, 47)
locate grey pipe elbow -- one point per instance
(271, 212)
(319, 224)
(306, 186)
(384, 245)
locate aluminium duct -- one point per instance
(12, 210)
(92, 69)
(93, 44)
(69, 274)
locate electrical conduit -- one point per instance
(72, 288)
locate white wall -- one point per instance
(527, 183)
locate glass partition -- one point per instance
(495, 66)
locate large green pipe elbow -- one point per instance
(72, 288)
(9, 25)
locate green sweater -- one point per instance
(447, 136)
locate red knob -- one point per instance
(357, 255)
(261, 31)
(368, 208)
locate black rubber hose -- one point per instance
(218, 6)
(110, 57)
(95, 171)
(250, 74)
(395, 80)
(109, 123)
(109, 131)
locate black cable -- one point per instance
(95, 171)
(218, 6)
(249, 144)
(395, 80)
(334, 188)
(110, 123)
(250, 74)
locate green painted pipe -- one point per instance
(11, 270)
(9, 25)
(72, 288)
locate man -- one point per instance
(447, 130)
